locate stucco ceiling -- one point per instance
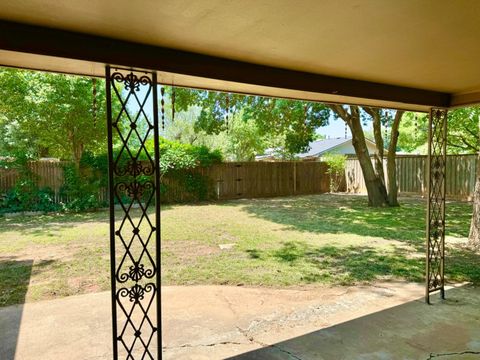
(425, 44)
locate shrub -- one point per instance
(178, 156)
(83, 185)
(177, 162)
(26, 195)
(336, 169)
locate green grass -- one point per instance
(320, 239)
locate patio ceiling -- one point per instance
(406, 54)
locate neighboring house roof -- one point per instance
(317, 148)
(322, 146)
(264, 156)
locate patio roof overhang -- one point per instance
(410, 55)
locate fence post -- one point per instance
(294, 177)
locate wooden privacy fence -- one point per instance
(237, 180)
(47, 174)
(268, 179)
(225, 181)
(412, 179)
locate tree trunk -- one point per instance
(391, 164)
(77, 149)
(377, 133)
(78, 152)
(377, 193)
(474, 235)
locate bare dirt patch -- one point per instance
(39, 253)
(188, 250)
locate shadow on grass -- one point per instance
(14, 281)
(42, 224)
(344, 265)
(15, 278)
(323, 213)
(344, 214)
(356, 264)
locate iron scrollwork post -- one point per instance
(436, 165)
(134, 180)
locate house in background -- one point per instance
(319, 148)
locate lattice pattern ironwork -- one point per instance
(437, 151)
(134, 212)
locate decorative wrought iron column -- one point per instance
(134, 181)
(436, 164)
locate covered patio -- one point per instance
(406, 55)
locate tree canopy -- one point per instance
(463, 131)
(295, 122)
(44, 114)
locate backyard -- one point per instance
(278, 242)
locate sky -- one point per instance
(335, 129)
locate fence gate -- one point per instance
(134, 212)
(436, 164)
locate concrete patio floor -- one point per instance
(384, 321)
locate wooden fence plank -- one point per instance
(411, 175)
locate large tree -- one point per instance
(373, 174)
(297, 122)
(45, 114)
(385, 117)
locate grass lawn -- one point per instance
(319, 239)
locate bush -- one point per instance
(83, 185)
(178, 156)
(26, 195)
(336, 169)
(177, 162)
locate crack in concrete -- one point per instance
(248, 337)
(229, 304)
(251, 339)
(467, 352)
(286, 352)
(203, 345)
